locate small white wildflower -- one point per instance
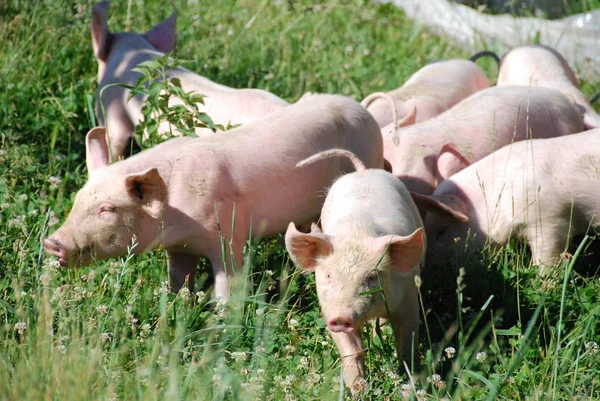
(366, 52)
(54, 182)
(481, 356)
(418, 281)
(200, 296)
(269, 76)
(52, 220)
(51, 264)
(290, 348)
(106, 337)
(293, 323)
(420, 394)
(377, 392)
(239, 356)
(230, 32)
(33, 212)
(61, 348)
(216, 379)
(592, 347)
(184, 293)
(23, 197)
(359, 386)
(324, 343)
(4, 205)
(21, 327)
(450, 352)
(348, 49)
(304, 362)
(260, 312)
(18, 221)
(434, 378)
(3, 154)
(102, 309)
(405, 387)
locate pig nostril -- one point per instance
(347, 325)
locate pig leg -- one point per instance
(405, 325)
(182, 267)
(222, 270)
(547, 245)
(351, 348)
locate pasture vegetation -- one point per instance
(491, 329)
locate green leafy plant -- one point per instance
(160, 90)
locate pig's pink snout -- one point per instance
(56, 248)
(340, 323)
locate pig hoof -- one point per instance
(359, 386)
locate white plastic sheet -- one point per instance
(576, 37)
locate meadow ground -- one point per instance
(491, 329)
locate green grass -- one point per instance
(111, 331)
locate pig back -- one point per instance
(260, 158)
(373, 199)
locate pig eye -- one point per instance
(106, 209)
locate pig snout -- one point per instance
(341, 323)
(54, 247)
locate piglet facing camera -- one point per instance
(365, 260)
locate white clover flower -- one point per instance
(481, 356)
(348, 49)
(200, 295)
(230, 32)
(54, 182)
(21, 327)
(293, 323)
(260, 372)
(304, 362)
(33, 212)
(3, 154)
(434, 378)
(592, 347)
(184, 292)
(239, 356)
(4, 205)
(61, 348)
(324, 343)
(260, 312)
(290, 348)
(377, 392)
(102, 309)
(18, 221)
(420, 394)
(450, 352)
(52, 219)
(366, 52)
(269, 76)
(106, 337)
(23, 197)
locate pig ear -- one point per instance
(405, 251)
(410, 119)
(445, 205)
(162, 36)
(150, 190)
(96, 149)
(305, 249)
(450, 161)
(100, 32)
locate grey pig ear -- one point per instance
(96, 149)
(100, 32)
(442, 204)
(306, 249)
(162, 36)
